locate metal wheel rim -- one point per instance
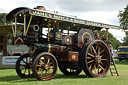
(45, 67)
(97, 59)
(24, 66)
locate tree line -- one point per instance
(3, 19)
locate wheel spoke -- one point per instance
(25, 71)
(42, 58)
(30, 62)
(22, 68)
(94, 50)
(90, 66)
(24, 61)
(50, 63)
(96, 47)
(29, 71)
(51, 67)
(98, 51)
(90, 49)
(29, 59)
(41, 61)
(101, 63)
(101, 56)
(42, 72)
(104, 59)
(101, 51)
(89, 58)
(22, 65)
(49, 72)
(95, 69)
(46, 73)
(101, 67)
(98, 68)
(40, 69)
(48, 60)
(91, 61)
(39, 65)
(90, 54)
(70, 70)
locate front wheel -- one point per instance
(24, 66)
(95, 59)
(44, 66)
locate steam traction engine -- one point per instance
(68, 43)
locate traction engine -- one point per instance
(68, 45)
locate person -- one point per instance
(97, 37)
(111, 52)
(111, 49)
(103, 38)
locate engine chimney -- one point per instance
(40, 8)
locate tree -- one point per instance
(125, 39)
(123, 18)
(111, 39)
(3, 19)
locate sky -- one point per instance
(103, 11)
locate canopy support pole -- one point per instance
(107, 35)
(13, 31)
(49, 24)
(15, 27)
(24, 24)
(28, 25)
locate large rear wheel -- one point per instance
(95, 59)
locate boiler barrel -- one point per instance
(51, 48)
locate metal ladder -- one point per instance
(113, 70)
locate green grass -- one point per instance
(9, 77)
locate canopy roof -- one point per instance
(56, 16)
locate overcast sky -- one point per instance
(104, 11)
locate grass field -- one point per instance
(9, 77)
